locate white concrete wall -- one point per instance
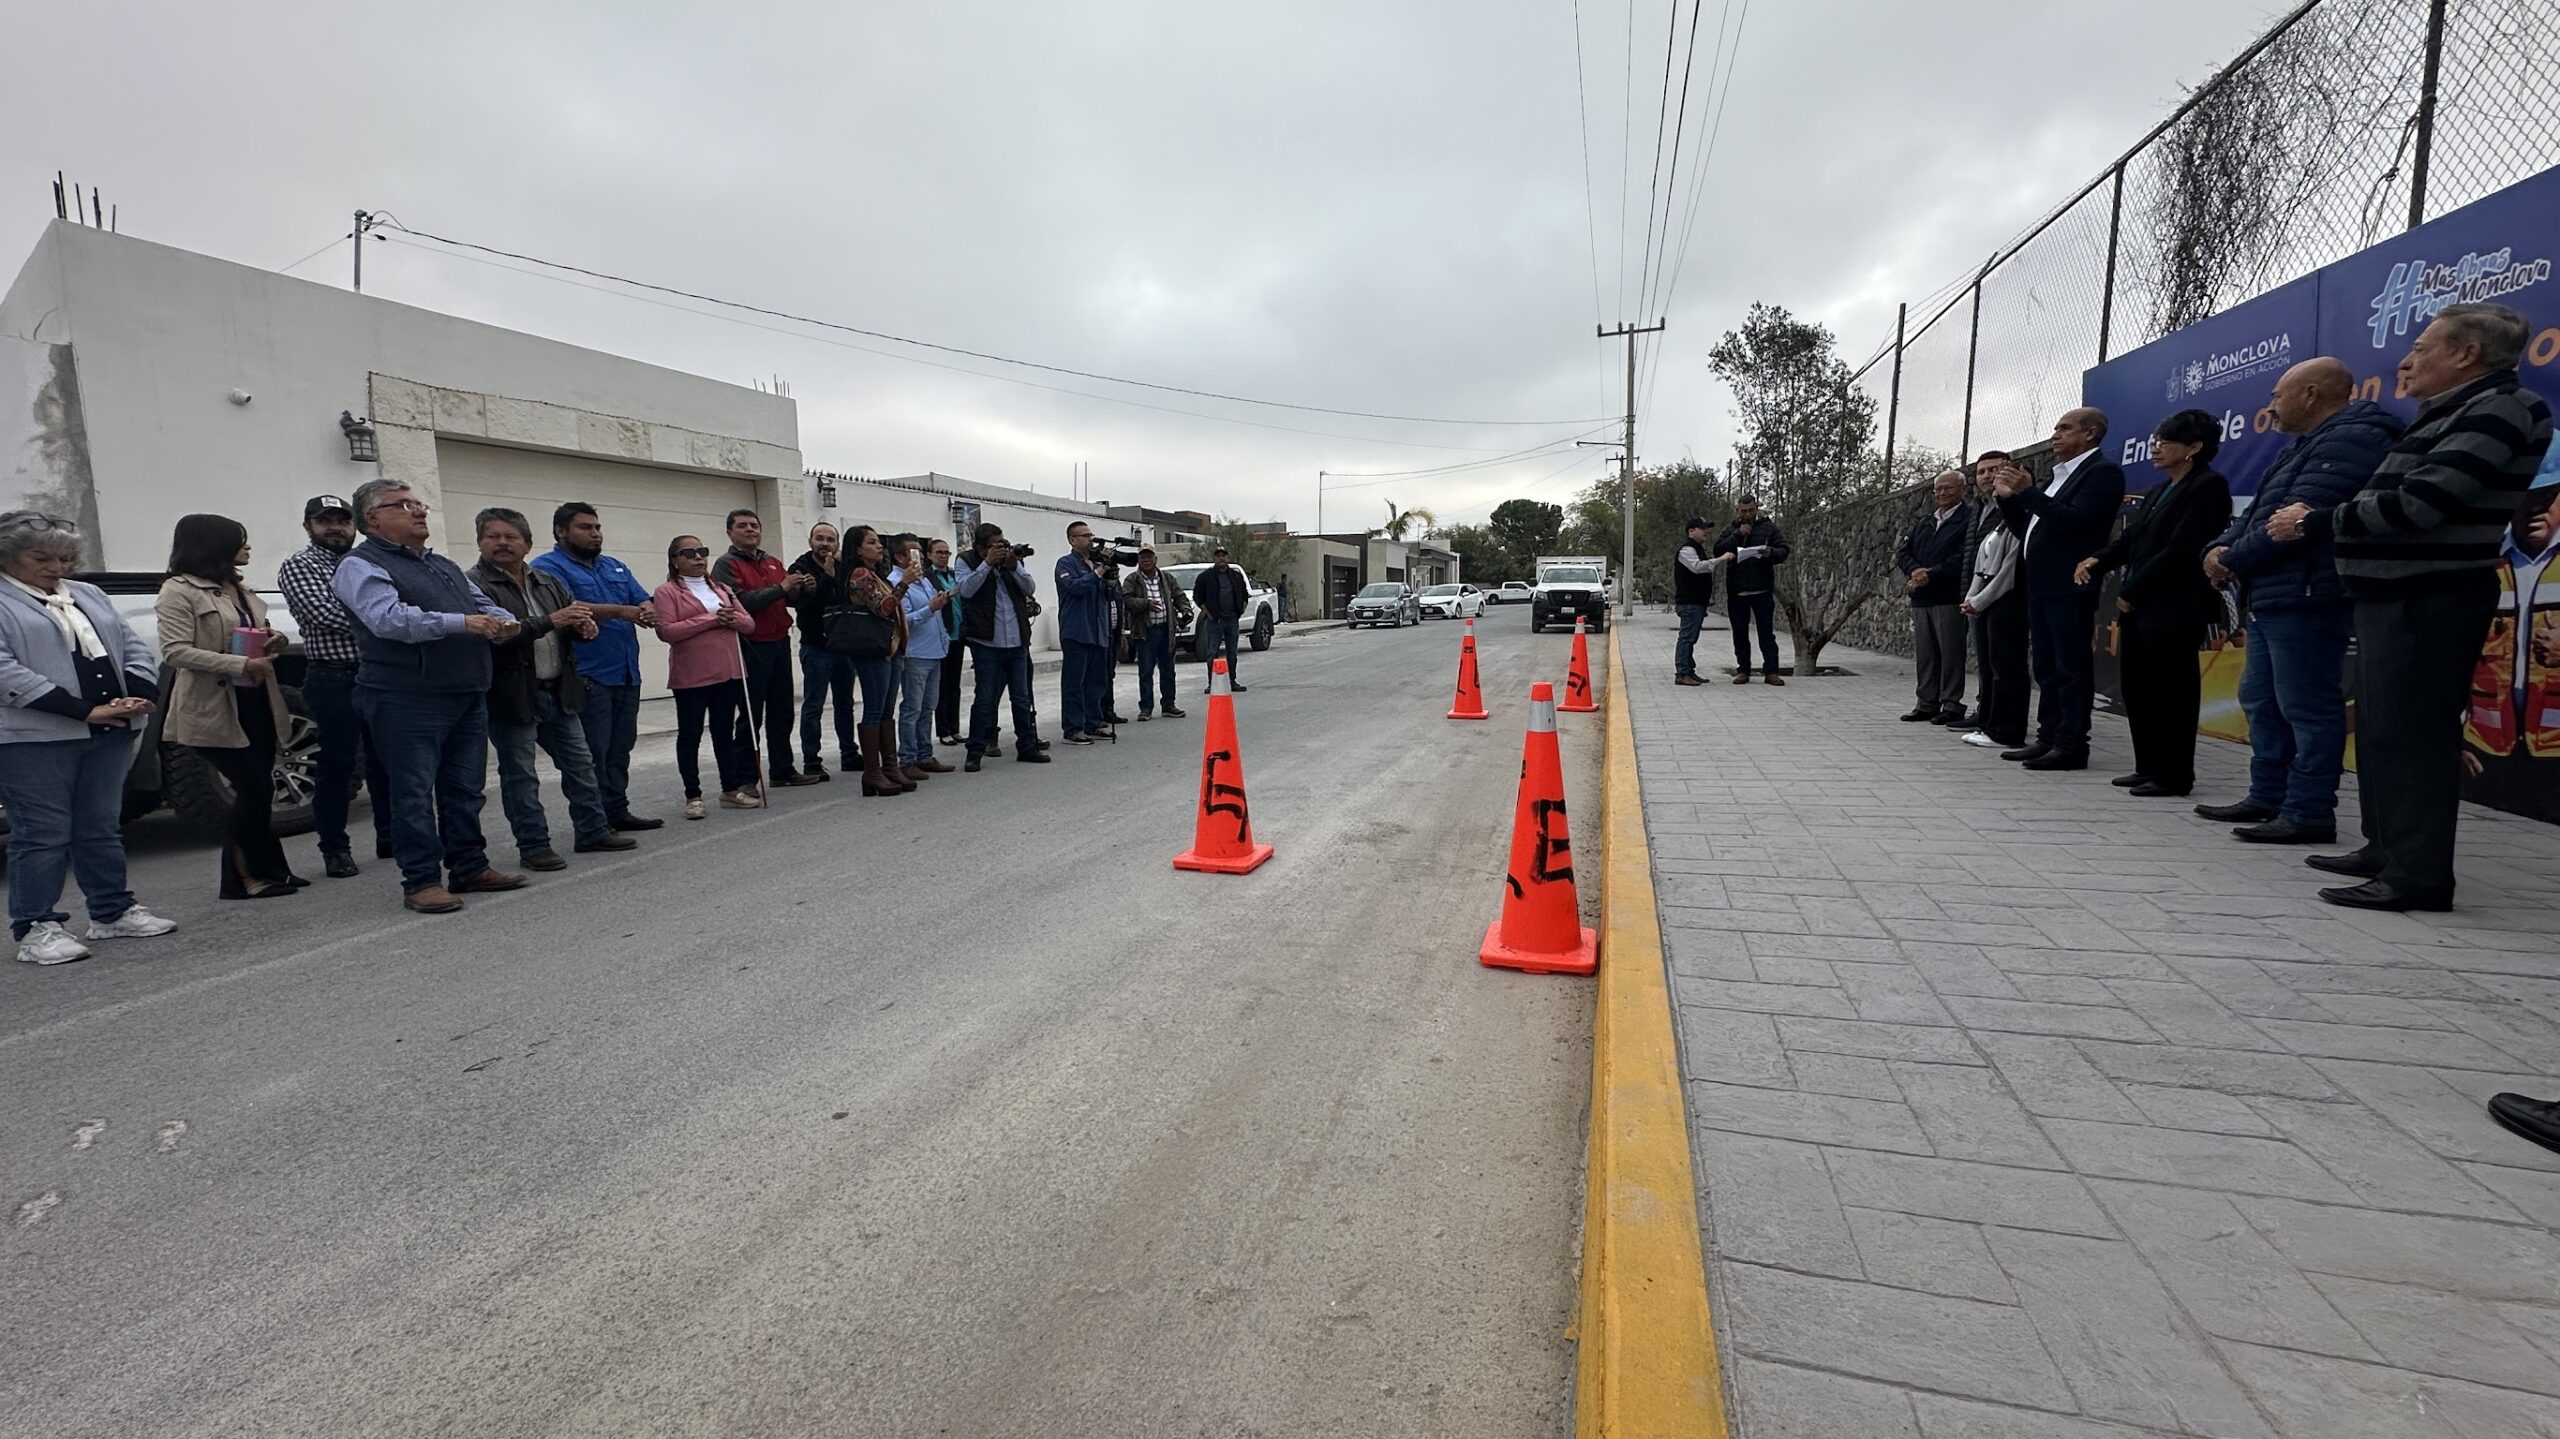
(162, 338)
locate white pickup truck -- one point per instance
(1261, 609)
(1570, 585)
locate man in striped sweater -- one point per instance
(2417, 549)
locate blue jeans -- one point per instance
(1684, 651)
(1155, 667)
(435, 747)
(561, 736)
(1746, 611)
(825, 674)
(877, 679)
(2292, 687)
(611, 718)
(999, 670)
(2059, 635)
(66, 816)
(1082, 681)
(1218, 640)
(329, 692)
(916, 694)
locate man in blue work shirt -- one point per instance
(423, 632)
(1084, 633)
(609, 663)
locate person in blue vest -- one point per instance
(1084, 632)
(423, 632)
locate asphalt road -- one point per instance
(956, 1114)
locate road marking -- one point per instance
(34, 1210)
(1645, 1362)
(88, 1133)
(170, 1134)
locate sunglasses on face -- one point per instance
(698, 552)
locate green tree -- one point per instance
(1807, 429)
(1527, 528)
(1400, 522)
(1265, 551)
(1483, 559)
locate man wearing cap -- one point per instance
(1221, 595)
(329, 683)
(1158, 609)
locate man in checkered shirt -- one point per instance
(329, 682)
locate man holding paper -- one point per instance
(1755, 547)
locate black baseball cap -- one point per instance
(1220, 550)
(319, 505)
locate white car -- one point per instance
(1511, 592)
(1452, 602)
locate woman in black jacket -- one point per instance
(2164, 601)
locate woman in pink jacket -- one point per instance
(701, 620)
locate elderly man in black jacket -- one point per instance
(535, 695)
(2065, 520)
(1934, 570)
(2293, 674)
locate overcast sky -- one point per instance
(1371, 206)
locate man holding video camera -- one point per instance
(1086, 575)
(996, 610)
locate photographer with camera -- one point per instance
(997, 604)
(1084, 577)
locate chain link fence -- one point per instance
(2349, 122)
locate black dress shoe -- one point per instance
(2128, 781)
(340, 866)
(2245, 812)
(297, 881)
(607, 841)
(971, 764)
(2530, 1118)
(632, 824)
(2285, 831)
(2054, 759)
(1915, 716)
(2034, 750)
(2374, 894)
(382, 849)
(2357, 863)
(545, 860)
(1035, 756)
(1956, 719)
(2154, 789)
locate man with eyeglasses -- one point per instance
(423, 630)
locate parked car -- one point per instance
(175, 777)
(1261, 609)
(1452, 602)
(1511, 592)
(1388, 602)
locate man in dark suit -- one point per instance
(2066, 520)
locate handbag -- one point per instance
(858, 633)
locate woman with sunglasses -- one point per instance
(77, 683)
(862, 566)
(225, 702)
(700, 619)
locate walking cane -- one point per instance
(747, 719)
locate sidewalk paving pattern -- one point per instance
(2023, 1109)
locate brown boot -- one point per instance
(934, 766)
(877, 777)
(913, 774)
(434, 899)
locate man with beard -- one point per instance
(609, 662)
(329, 683)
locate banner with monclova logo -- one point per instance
(2365, 310)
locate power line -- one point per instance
(558, 279)
(1653, 187)
(1626, 150)
(314, 255)
(959, 350)
(1679, 129)
(1368, 478)
(1730, 56)
(1590, 207)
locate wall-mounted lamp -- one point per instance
(826, 494)
(360, 446)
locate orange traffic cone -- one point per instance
(1541, 925)
(1577, 680)
(1470, 701)
(1222, 842)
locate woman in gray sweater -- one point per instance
(75, 691)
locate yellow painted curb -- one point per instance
(1646, 1363)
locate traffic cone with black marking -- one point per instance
(1470, 701)
(1577, 680)
(1541, 925)
(1222, 840)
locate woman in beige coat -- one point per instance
(224, 701)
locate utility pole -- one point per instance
(1627, 469)
(364, 222)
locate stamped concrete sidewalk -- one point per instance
(2023, 1109)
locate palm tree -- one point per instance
(1399, 521)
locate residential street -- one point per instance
(963, 1114)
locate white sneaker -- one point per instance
(134, 923)
(49, 943)
(1979, 740)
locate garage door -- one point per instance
(642, 509)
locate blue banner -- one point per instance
(2365, 310)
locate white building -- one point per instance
(140, 382)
